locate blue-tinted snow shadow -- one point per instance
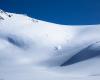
(84, 54)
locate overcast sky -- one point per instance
(71, 12)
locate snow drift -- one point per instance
(32, 49)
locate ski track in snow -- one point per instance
(32, 49)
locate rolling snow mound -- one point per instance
(32, 49)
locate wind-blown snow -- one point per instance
(32, 49)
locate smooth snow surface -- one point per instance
(32, 49)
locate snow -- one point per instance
(32, 49)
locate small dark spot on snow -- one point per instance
(9, 15)
(3, 12)
(98, 42)
(58, 48)
(1, 18)
(35, 21)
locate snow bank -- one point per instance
(32, 49)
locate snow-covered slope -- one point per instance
(32, 49)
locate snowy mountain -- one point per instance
(32, 49)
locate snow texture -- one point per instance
(32, 49)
